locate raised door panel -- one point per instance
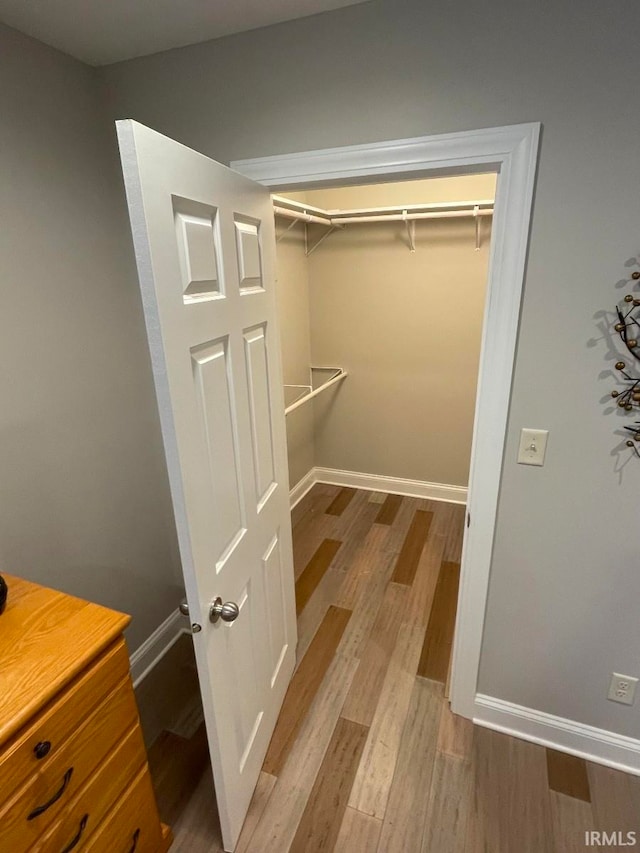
(255, 344)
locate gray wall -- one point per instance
(85, 501)
(565, 582)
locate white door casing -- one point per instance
(512, 151)
(205, 245)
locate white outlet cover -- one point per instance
(533, 446)
(622, 688)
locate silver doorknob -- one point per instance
(228, 612)
(183, 607)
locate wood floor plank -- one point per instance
(454, 532)
(372, 783)
(406, 813)
(277, 826)
(352, 528)
(455, 735)
(313, 529)
(615, 799)
(426, 579)
(510, 809)
(375, 655)
(389, 510)
(322, 817)
(314, 572)
(176, 764)
(369, 599)
(570, 820)
(317, 498)
(311, 617)
(409, 556)
(303, 687)
(341, 501)
(448, 809)
(197, 830)
(402, 523)
(258, 804)
(370, 559)
(438, 640)
(359, 833)
(567, 775)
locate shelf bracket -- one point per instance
(411, 231)
(309, 251)
(287, 229)
(476, 211)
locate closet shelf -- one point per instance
(297, 395)
(407, 213)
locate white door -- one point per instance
(205, 246)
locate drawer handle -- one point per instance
(75, 841)
(42, 749)
(136, 836)
(42, 809)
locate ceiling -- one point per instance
(99, 32)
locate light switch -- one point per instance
(533, 445)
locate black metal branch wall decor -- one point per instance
(628, 328)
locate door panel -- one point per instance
(256, 359)
(204, 241)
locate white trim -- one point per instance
(393, 485)
(599, 745)
(511, 151)
(143, 660)
(377, 483)
(302, 487)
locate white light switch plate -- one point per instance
(533, 446)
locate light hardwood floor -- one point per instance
(367, 755)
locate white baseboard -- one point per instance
(377, 483)
(302, 487)
(598, 745)
(145, 657)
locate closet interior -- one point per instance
(381, 299)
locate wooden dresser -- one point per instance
(73, 767)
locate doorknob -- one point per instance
(183, 607)
(228, 612)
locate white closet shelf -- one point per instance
(297, 395)
(407, 213)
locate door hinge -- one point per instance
(468, 519)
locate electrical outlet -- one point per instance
(622, 688)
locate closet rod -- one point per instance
(334, 379)
(301, 217)
(408, 217)
(398, 208)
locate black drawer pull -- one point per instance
(74, 841)
(42, 809)
(136, 836)
(42, 749)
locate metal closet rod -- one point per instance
(400, 213)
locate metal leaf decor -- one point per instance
(628, 328)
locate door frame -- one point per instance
(512, 152)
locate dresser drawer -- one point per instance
(133, 825)
(83, 815)
(45, 736)
(45, 794)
